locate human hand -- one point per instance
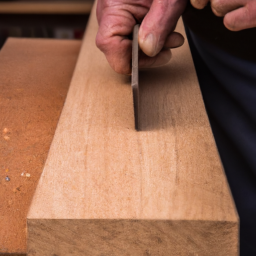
(158, 19)
(238, 14)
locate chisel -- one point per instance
(135, 76)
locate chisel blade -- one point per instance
(135, 75)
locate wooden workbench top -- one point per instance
(34, 79)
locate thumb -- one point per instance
(158, 25)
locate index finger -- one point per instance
(116, 21)
(112, 39)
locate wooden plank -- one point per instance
(61, 7)
(107, 189)
(34, 78)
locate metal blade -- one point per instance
(135, 75)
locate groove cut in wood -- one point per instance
(107, 189)
(61, 7)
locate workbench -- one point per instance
(34, 79)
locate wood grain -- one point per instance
(32, 94)
(61, 7)
(107, 189)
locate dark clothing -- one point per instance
(210, 28)
(228, 84)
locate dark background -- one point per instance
(38, 25)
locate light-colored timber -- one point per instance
(61, 7)
(107, 189)
(34, 79)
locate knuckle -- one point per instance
(101, 42)
(218, 8)
(120, 68)
(199, 4)
(98, 41)
(250, 16)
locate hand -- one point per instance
(158, 19)
(238, 14)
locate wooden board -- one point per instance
(34, 78)
(37, 7)
(107, 189)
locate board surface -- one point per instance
(34, 79)
(107, 189)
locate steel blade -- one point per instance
(135, 75)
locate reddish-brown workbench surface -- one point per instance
(34, 79)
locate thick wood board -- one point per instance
(107, 189)
(34, 79)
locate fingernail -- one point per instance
(149, 45)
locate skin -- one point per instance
(116, 20)
(238, 14)
(158, 20)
